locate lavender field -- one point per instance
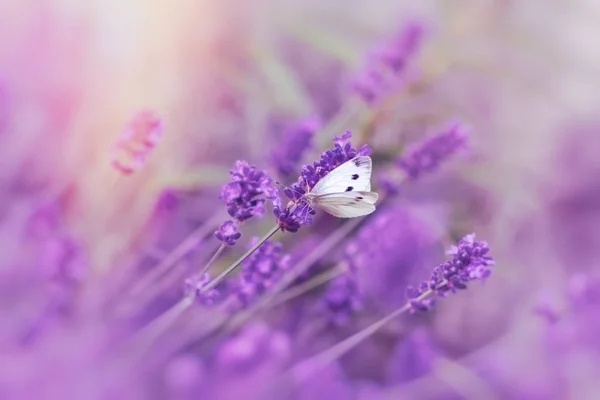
(279, 199)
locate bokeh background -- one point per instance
(227, 79)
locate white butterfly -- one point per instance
(345, 192)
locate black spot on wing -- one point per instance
(354, 177)
(349, 189)
(358, 198)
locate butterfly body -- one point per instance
(345, 192)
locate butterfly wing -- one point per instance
(347, 204)
(352, 176)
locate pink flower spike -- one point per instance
(138, 139)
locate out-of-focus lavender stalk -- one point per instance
(304, 287)
(166, 319)
(136, 143)
(144, 286)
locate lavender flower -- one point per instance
(298, 212)
(297, 140)
(261, 270)
(194, 287)
(247, 192)
(388, 63)
(413, 357)
(246, 363)
(427, 156)
(228, 233)
(469, 262)
(140, 137)
(342, 299)
(255, 344)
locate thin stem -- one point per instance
(233, 266)
(156, 328)
(343, 118)
(316, 254)
(307, 286)
(212, 259)
(177, 254)
(304, 369)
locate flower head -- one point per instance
(247, 192)
(297, 212)
(194, 287)
(262, 270)
(342, 299)
(137, 141)
(428, 155)
(469, 262)
(228, 233)
(297, 140)
(388, 63)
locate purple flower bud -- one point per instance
(413, 357)
(428, 155)
(297, 212)
(262, 270)
(247, 192)
(388, 63)
(228, 233)
(257, 344)
(469, 262)
(342, 299)
(194, 287)
(296, 141)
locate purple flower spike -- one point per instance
(262, 270)
(469, 262)
(403, 46)
(194, 286)
(228, 233)
(297, 212)
(342, 299)
(295, 143)
(247, 192)
(388, 63)
(428, 155)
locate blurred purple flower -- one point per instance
(469, 262)
(184, 377)
(247, 192)
(297, 212)
(228, 233)
(428, 155)
(296, 141)
(245, 364)
(413, 357)
(254, 345)
(388, 62)
(194, 286)
(137, 141)
(329, 383)
(261, 270)
(342, 299)
(391, 246)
